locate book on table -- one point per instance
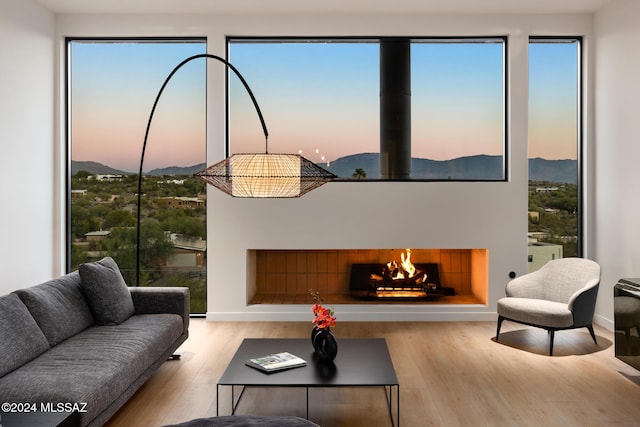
(276, 362)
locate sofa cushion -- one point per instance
(21, 338)
(106, 291)
(95, 366)
(59, 307)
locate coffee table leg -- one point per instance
(307, 402)
(389, 395)
(233, 406)
(398, 403)
(234, 403)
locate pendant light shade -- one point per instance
(265, 175)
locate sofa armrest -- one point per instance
(151, 300)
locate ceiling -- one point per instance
(324, 6)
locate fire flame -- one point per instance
(408, 270)
(407, 265)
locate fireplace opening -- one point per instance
(378, 281)
(284, 276)
(394, 279)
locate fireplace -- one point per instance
(284, 276)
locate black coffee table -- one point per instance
(360, 363)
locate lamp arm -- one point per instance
(146, 134)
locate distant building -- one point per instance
(535, 236)
(190, 251)
(78, 193)
(107, 177)
(539, 253)
(182, 202)
(172, 181)
(94, 236)
(546, 189)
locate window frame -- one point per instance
(580, 123)
(68, 41)
(503, 39)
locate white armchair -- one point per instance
(560, 295)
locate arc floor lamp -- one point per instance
(253, 175)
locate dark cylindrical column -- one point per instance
(395, 108)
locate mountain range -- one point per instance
(480, 167)
(100, 169)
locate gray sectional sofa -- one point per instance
(87, 339)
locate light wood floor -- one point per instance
(450, 374)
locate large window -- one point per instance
(458, 108)
(321, 98)
(112, 85)
(555, 121)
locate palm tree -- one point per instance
(359, 174)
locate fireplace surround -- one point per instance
(284, 276)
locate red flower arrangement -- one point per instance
(323, 317)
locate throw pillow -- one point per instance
(106, 291)
(21, 338)
(59, 307)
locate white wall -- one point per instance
(28, 252)
(349, 215)
(617, 132)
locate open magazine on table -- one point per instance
(276, 362)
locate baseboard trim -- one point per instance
(604, 322)
(349, 316)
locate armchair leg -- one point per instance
(500, 319)
(551, 335)
(593, 334)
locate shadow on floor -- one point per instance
(573, 342)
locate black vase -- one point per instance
(324, 343)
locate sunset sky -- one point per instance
(114, 86)
(325, 97)
(321, 99)
(553, 102)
